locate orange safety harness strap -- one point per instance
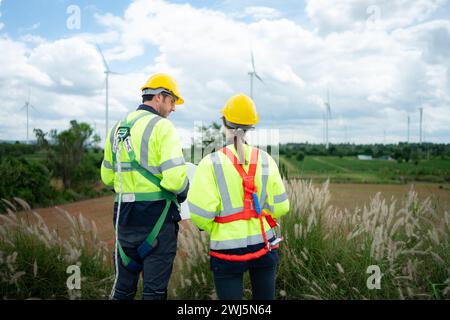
(251, 208)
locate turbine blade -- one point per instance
(103, 58)
(258, 77)
(253, 62)
(115, 73)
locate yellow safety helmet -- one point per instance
(240, 110)
(161, 82)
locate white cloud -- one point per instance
(33, 27)
(259, 12)
(375, 74)
(68, 62)
(342, 15)
(33, 39)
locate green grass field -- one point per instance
(349, 169)
(40, 156)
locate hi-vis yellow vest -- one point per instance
(217, 190)
(157, 148)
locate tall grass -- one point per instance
(327, 252)
(34, 259)
(325, 255)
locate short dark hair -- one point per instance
(147, 97)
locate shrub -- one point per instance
(27, 180)
(300, 156)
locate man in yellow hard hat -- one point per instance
(145, 164)
(236, 195)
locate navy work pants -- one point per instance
(157, 266)
(229, 285)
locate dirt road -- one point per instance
(342, 196)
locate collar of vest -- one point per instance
(148, 108)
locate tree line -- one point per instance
(66, 167)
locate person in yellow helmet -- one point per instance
(236, 196)
(144, 162)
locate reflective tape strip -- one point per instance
(267, 206)
(264, 176)
(107, 164)
(240, 243)
(185, 183)
(221, 182)
(172, 163)
(144, 145)
(280, 198)
(111, 135)
(201, 212)
(230, 212)
(124, 165)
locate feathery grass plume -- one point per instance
(408, 240)
(37, 259)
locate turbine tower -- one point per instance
(253, 74)
(421, 115)
(107, 73)
(327, 118)
(27, 106)
(409, 122)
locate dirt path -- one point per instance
(342, 196)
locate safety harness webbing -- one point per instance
(251, 209)
(122, 135)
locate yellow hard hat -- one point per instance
(161, 82)
(240, 110)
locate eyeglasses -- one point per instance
(172, 98)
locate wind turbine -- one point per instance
(421, 118)
(27, 106)
(107, 72)
(327, 118)
(409, 122)
(253, 74)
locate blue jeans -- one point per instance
(157, 266)
(229, 285)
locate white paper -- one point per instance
(184, 206)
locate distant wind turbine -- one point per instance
(421, 118)
(27, 106)
(409, 122)
(253, 74)
(327, 118)
(107, 73)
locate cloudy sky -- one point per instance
(380, 60)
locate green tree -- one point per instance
(42, 143)
(68, 150)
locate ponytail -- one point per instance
(239, 140)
